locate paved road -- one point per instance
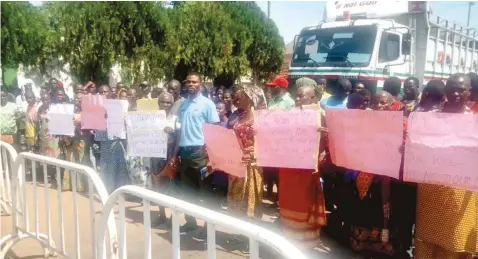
(191, 246)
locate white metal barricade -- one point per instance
(22, 230)
(8, 155)
(255, 233)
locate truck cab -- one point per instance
(369, 41)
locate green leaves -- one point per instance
(149, 41)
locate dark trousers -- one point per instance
(271, 176)
(193, 159)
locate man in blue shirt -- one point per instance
(193, 112)
(340, 92)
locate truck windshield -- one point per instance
(341, 46)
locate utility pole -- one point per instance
(269, 10)
(470, 4)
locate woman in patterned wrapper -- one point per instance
(447, 217)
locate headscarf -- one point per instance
(305, 81)
(256, 94)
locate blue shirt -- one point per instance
(192, 114)
(333, 102)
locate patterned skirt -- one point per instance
(447, 222)
(244, 195)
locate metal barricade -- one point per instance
(8, 155)
(21, 227)
(255, 233)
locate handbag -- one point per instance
(169, 170)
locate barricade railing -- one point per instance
(255, 233)
(8, 155)
(55, 168)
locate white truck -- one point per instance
(369, 41)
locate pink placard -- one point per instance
(93, 112)
(287, 139)
(368, 141)
(442, 148)
(223, 150)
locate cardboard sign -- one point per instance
(442, 148)
(146, 136)
(287, 139)
(223, 150)
(116, 111)
(368, 141)
(147, 105)
(93, 112)
(60, 119)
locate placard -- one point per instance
(146, 136)
(367, 141)
(147, 105)
(60, 119)
(442, 148)
(116, 111)
(223, 150)
(287, 139)
(93, 112)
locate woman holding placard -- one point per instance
(447, 217)
(245, 194)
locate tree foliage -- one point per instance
(148, 40)
(24, 34)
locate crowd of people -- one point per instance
(374, 215)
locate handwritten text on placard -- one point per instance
(287, 139)
(146, 136)
(442, 149)
(367, 141)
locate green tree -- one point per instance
(24, 32)
(96, 35)
(265, 53)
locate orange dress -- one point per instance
(302, 205)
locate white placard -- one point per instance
(60, 119)
(116, 111)
(146, 136)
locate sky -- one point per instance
(291, 16)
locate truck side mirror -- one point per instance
(406, 44)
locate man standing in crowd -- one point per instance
(322, 83)
(193, 112)
(174, 88)
(410, 98)
(281, 99)
(393, 85)
(340, 92)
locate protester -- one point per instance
(410, 98)
(447, 217)
(61, 97)
(281, 99)
(305, 81)
(145, 90)
(193, 112)
(367, 97)
(156, 92)
(221, 111)
(78, 89)
(132, 98)
(302, 204)
(322, 83)
(75, 150)
(8, 117)
(340, 92)
(227, 99)
(31, 121)
(219, 94)
(393, 85)
(245, 194)
(432, 98)
(162, 172)
(357, 87)
(20, 100)
(474, 92)
(174, 88)
(90, 88)
(113, 165)
(220, 178)
(356, 101)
